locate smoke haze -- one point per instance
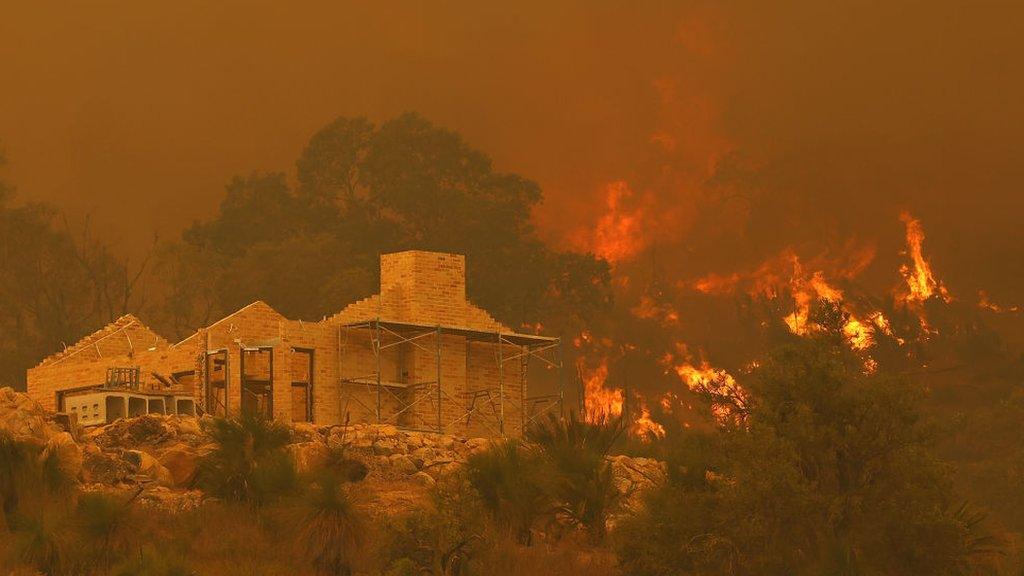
(730, 131)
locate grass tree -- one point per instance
(249, 462)
(508, 478)
(330, 527)
(580, 480)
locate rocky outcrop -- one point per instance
(158, 455)
(633, 476)
(25, 419)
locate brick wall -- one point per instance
(417, 287)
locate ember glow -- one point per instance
(985, 303)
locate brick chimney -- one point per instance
(427, 287)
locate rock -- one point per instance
(424, 479)
(414, 440)
(147, 465)
(148, 429)
(68, 455)
(24, 418)
(634, 476)
(304, 432)
(472, 446)
(103, 467)
(308, 456)
(384, 447)
(171, 500)
(181, 462)
(423, 456)
(402, 464)
(185, 425)
(385, 431)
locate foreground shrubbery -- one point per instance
(822, 469)
(266, 520)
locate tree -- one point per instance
(831, 472)
(363, 190)
(580, 480)
(249, 462)
(55, 285)
(508, 478)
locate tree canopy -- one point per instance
(832, 471)
(362, 190)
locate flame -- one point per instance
(598, 401)
(618, 234)
(921, 282)
(645, 428)
(986, 304)
(717, 283)
(806, 290)
(601, 402)
(861, 336)
(650, 309)
(703, 378)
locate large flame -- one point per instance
(921, 281)
(726, 394)
(618, 234)
(600, 402)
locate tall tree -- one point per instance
(363, 190)
(55, 286)
(832, 471)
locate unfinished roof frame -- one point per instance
(386, 334)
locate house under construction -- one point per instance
(417, 355)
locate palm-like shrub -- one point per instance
(43, 539)
(14, 462)
(249, 462)
(101, 521)
(508, 479)
(581, 481)
(329, 525)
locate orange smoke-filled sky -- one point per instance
(737, 128)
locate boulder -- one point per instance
(304, 432)
(65, 451)
(308, 456)
(181, 462)
(24, 418)
(423, 456)
(424, 479)
(384, 447)
(402, 464)
(634, 476)
(148, 466)
(171, 500)
(103, 467)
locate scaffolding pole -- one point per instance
(440, 425)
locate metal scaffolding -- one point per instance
(408, 393)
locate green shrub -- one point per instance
(580, 479)
(509, 480)
(249, 462)
(329, 529)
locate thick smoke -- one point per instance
(736, 130)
